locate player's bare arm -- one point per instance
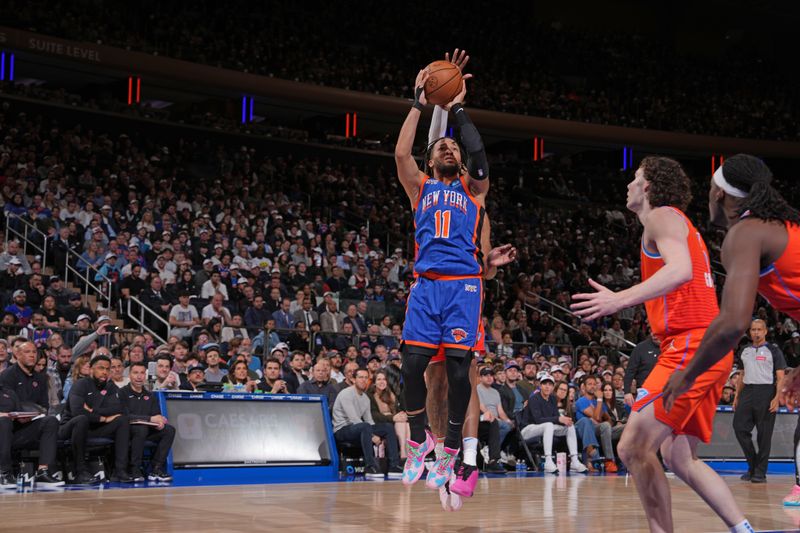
(665, 231)
(741, 257)
(497, 257)
(407, 171)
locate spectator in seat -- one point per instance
(267, 339)
(213, 372)
(541, 418)
(306, 314)
(13, 253)
(19, 308)
(257, 315)
(337, 366)
(13, 277)
(116, 373)
(353, 424)
(349, 373)
(216, 310)
(235, 330)
(489, 425)
(283, 319)
(727, 394)
(592, 422)
(97, 399)
(296, 375)
(238, 376)
(359, 326)
(272, 382)
(213, 286)
(617, 413)
(332, 319)
(387, 409)
(320, 383)
(142, 405)
(195, 377)
(183, 317)
(520, 389)
(166, 379)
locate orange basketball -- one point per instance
(444, 82)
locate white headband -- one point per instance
(719, 179)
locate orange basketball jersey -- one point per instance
(780, 282)
(692, 305)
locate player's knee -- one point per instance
(629, 452)
(458, 375)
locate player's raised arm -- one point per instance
(477, 163)
(744, 243)
(668, 230)
(407, 171)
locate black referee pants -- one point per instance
(753, 411)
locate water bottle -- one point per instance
(523, 466)
(20, 482)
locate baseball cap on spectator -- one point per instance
(18, 292)
(512, 364)
(733, 372)
(556, 368)
(486, 371)
(82, 317)
(233, 266)
(328, 293)
(53, 279)
(103, 318)
(728, 386)
(348, 253)
(579, 374)
(565, 368)
(74, 296)
(211, 347)
(208, 261)
(14, 261)
(796, 334)
(373, 358)
(609, 372)
(364, 344)
(111, 255)
(106, 207)
(547, 377)
(195, 368)
(393, 357)
(623, 356)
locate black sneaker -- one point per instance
(159, 474)
(395, 472)
(137, 475)
(121, 477)
(43, 477)
(758, 479)
(7, 481)
(746, 476)
(493, 467)
(84, 478)
(372, 472)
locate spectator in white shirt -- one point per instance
(183, 317)
(214, 286)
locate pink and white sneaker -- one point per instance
(442, 469)
(449, 500)
(793, 498)
(415, 460)
(466, 479)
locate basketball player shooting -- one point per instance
(760, 253)
(678, 292)
(445, 302)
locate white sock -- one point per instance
(743, 527)
(471, 451)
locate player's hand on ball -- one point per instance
(677, 384)
(789, 393)
(502, 255)
(459, 59)
(591, 306)
(459, 99)
(419, 86)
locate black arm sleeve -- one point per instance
(477, 164)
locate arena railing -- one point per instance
(140, 319)
(28, 234)
(87, 281)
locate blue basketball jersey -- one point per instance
(447, 222)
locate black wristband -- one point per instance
(417, 93)
(417, 105)
(456, 108)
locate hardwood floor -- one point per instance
(510, 504)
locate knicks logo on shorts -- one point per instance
(459, 334)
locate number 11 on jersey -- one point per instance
(442, 220)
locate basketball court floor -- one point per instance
(529, 503)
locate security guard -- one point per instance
(142, 405)
(97, 398)
(19, 432)
(756, 400)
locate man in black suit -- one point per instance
(306, 315)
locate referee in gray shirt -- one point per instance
(756, 400)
